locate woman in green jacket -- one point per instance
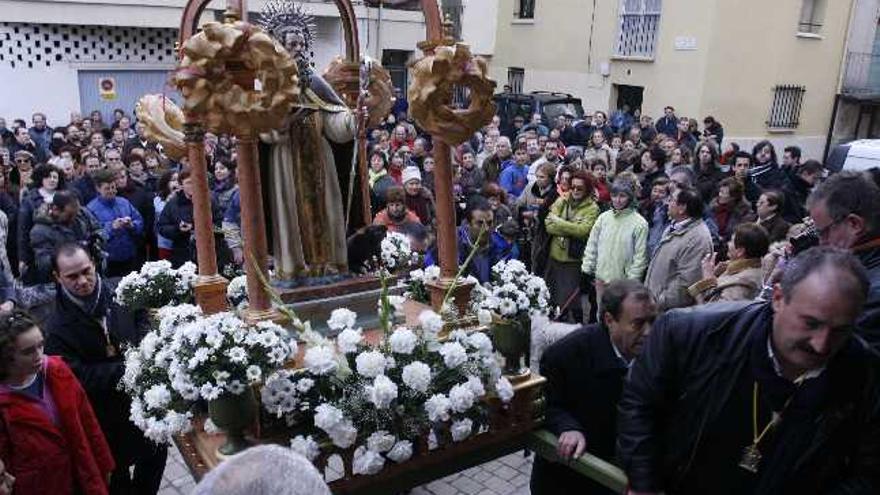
(569, 223)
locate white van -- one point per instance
(855, 155)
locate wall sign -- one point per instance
(107, 88)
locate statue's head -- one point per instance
(294, 28)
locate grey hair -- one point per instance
(847, 193)
(826, 257)
(683, 169)
(264, 470)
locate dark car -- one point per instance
(549, 104)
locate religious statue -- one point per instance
(305, 195)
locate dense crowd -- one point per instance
(625, 219)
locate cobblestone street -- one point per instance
(508, 475)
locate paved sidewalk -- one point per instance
(507, 475)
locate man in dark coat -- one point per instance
(88, 330)
(60, 222)
(760, 397)
(846, 213)
(585, 372)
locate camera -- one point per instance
(807, 238)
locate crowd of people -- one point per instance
(625, 218)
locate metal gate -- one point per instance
(128, 86)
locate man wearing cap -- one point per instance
(618, 244)
(418, 199)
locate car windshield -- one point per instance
(553, 110)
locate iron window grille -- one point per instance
(515, 77)
(638, 28)
(525, 9)
(785, 112)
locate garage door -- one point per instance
(127, 87)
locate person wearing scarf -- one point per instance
(89, 330)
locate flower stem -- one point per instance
(462, 269)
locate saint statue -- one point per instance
(305, 194)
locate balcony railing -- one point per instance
(861, 77)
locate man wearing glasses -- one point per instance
(846, 213)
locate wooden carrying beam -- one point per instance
(543, 443)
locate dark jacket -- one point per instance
(80, 339)
(61, 459)
(777, 227)
(707, 182)
(728, 217)
(48, 234)
(667, 125)
(178, 209)
(796, 192)
(85, 188)
(686, 375)
(765, 177)
(584, 381)
(30, 202)
(869, 323)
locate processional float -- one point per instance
(216, 75)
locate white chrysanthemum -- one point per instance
(348, 340)
(401, 452)
(476, 386)
(461, 429)
(370, 363)
(461, 397)
(157, 396)
(303, 385)
(236, 387)
(381, 441)
(328, 417)
(396, 302)
(507, 307)
(320, 360)
(382, 392)
(431, 322)
(367, 462)
(342, 318)
(481, 343)
(306, 447)
(237, 355)
(437, 408)
(209, 391)
(403, 341)
(253, 373)
(344, 435)
(432, 273)
(453, 354)
(417, 376)
(504, 389)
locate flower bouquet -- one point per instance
(417, 283)
(157, 284)
(397, 254)
(381, 400)
(191, 357)
(507, 304)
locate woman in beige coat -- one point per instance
(739, 279)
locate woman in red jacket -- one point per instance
(50, 440)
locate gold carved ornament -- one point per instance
(435, 77)
(164, 123)
(344, 77)
(216, 75)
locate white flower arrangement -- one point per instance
(157, 284)
(190, 356)
(417, 283)
(381, 398)
(513, 293)
(396, 252)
